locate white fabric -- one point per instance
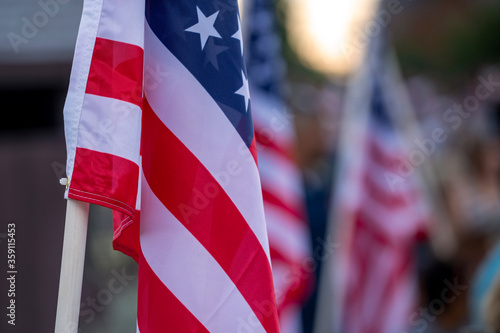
(78, 81)
(184, 94)
(189, 271)
(115, 21)
(110, 126)
(286, 234)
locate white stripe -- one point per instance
(396, 223)
(290, 318)
(138, 198)
(78, 81)
(405, 185)
(110, 126)
(278, 174)
(281, 280)
(273, 117)
(400, 185)
(387, 138)
(402, 302)
(287, 235)
(216, 144)
(186, 268)
(380, 267)
(123, 22)
(354, 195)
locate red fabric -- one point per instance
(196, 199)
(105, 179)
(116, 71)
(168, 314)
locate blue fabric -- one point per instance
(482, 283)
(218, 66)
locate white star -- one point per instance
(237, 35)
(243, 91)
(205, 27)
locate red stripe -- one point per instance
(195, 198)
(278, 256)
(298, 276)
(253, 151)
(265, 141)
(400, 269)
(387, 198)
(158, 310)
(288, 209)
(110, 181)
(357, 294)
(126, 234)
(369, 222)
(104, 179)
(116, 71)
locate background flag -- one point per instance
(159, 128)
(380, 211)
(281, 181)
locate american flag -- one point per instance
(159, 128)
(380, 214)
(281, 181)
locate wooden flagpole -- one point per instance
(73, 256)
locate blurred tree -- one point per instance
(448, 40)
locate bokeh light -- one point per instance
(321, 32)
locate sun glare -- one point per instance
(321, 32)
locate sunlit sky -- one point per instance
(322, 32)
